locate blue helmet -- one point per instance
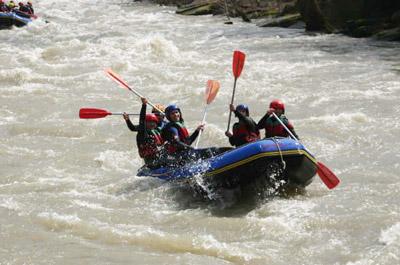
(242, 107)
(170, 109)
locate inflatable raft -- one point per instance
(243, 165)
(10, 19)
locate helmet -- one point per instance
(277, 104)
(242, 107)
(151, 117)
(170, 109)
(20, 4)
(158, 106)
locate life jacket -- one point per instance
(274, 128)
(24, 9)
(31, 11)
(183, 135)
(150, 148)
(241, 132)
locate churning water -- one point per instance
(68, 190)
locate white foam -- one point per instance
(111, 160)
(95, 206)
(391, 235)
(10, 204)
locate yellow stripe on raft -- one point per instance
(252, 158)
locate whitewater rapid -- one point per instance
(68, 190)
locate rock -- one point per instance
(389, 35)
(313, 17)
(203, 8)
(242, 14)
(362, 28)
(285, 21)
(289, 9)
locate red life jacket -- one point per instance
(241, 132)
(274, 128)
(183, 135)
(151, 146)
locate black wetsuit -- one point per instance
(250, 126)
(274, 128)
(31, 10)
(146, 139)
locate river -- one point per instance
(68, 190)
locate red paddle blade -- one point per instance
(211, 90)
(89, 113)
(117, 78)
(238, 63)
(327, 176)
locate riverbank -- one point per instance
(379, 19)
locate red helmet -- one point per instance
(151, 117)
(20, 4)
(277, 104)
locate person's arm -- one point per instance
(194, 135)
(261, 123)
(172, 136)
(249, 123)
(142, 132)
(132, 127)
(142, 118)
(233, 140)
(289, 125)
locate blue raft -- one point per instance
(9, 19)
(246, 164)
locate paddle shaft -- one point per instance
(140, 96)
(286, 128)
(202, 122)
(121, 82)
(232, 99)
(121, 113)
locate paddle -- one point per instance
(237, 67)
(325, 174)
(91, 113)
(122, 83)
(211, 92)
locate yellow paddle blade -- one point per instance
(211, 90)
